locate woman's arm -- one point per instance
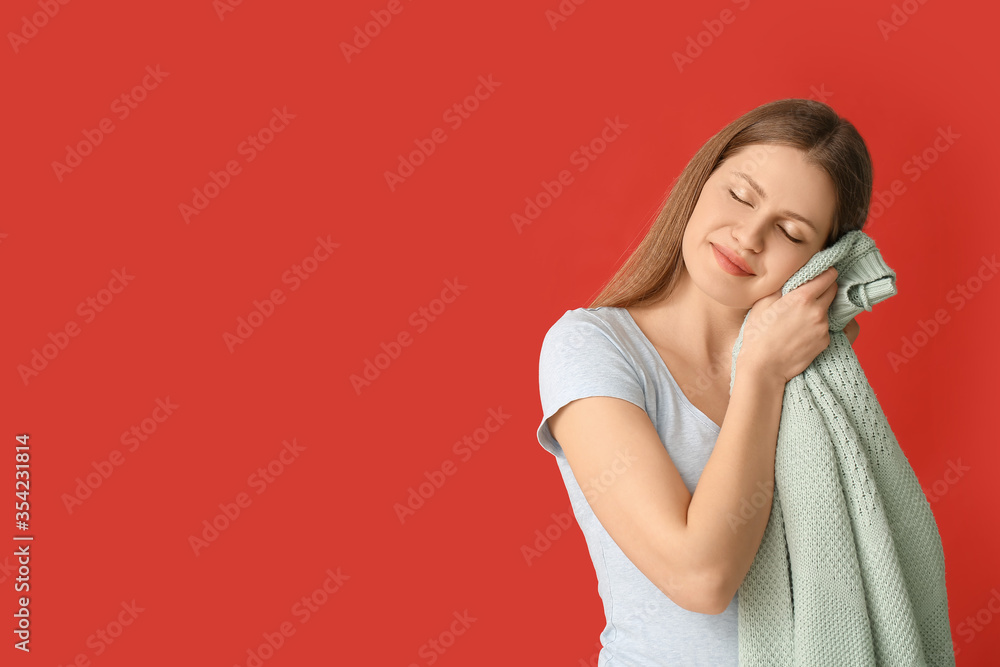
(731, 505)
(695, 548)
(637, 494)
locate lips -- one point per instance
(731, 261)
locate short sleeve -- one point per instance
(579, 358)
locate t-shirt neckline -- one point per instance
(656, 355)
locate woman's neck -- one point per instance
(691, 323)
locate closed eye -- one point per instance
(792, 238)
(738, 199)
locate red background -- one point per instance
(323, 175)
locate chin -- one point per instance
(717, 288)
(731, 300)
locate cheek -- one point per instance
(771, 286)
(698, 226)
(787, 265)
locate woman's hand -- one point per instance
(784, 333)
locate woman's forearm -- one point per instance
(731, 504)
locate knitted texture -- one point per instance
(850, 570)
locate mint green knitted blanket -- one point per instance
(850, 570)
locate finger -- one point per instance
(818, 286)
(830, 294)
(765, 301)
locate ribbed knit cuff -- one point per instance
(863, 277)
(863, 280)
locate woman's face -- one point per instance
(783, 198)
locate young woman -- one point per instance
(657, 456)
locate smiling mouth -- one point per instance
(728, 265)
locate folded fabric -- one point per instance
(850, 570)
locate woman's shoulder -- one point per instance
(600, 314)
(591, 321)
(590, 335)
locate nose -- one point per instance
(749, 234)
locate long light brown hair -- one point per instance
(830, 142)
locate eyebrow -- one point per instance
(763, 195)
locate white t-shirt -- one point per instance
(602, 352)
